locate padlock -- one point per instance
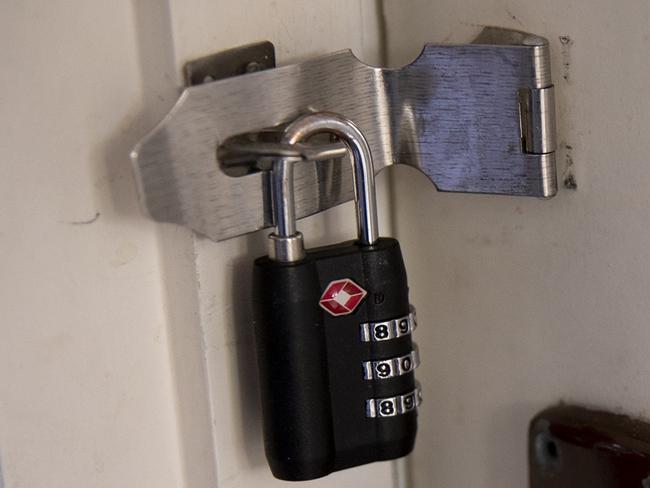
(333, 332)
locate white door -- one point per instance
(525, 302)
(126, 353)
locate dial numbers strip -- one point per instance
(389, 329)
(393, 406)
(392, 367)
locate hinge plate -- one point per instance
(473, 118)
(233, 62)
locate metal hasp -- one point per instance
(474, 118)
(575, 447)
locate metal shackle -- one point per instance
(286, 244)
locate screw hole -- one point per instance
(547, 451)
(551, 450)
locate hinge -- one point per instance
(537, 113)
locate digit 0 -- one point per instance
(406, 364)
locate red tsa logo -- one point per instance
(341, 297)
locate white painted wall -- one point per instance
(86, 395)
(524, 302)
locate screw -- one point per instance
(547, 452)
(254, 66)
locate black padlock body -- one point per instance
(292, 364)
(313, 429)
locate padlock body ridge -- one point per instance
(292, 364)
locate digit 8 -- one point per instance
(381, 331)
(386, 408)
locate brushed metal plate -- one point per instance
(454, 114)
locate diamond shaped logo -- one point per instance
(342, 297)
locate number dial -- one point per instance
(393, 406)
(389, 329)
(392, 367)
